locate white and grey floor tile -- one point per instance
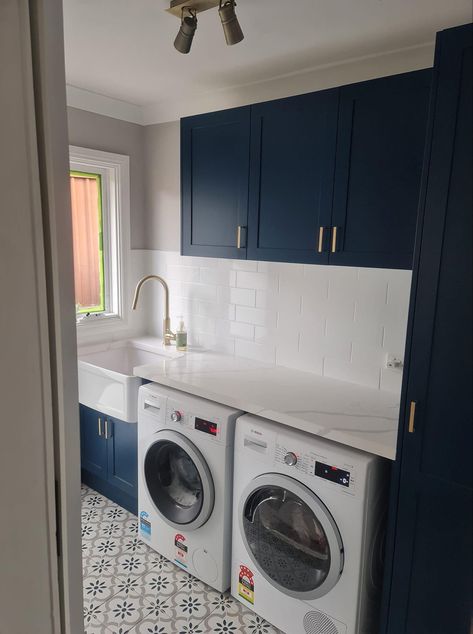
(129, 588)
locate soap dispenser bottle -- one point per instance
(181, 336)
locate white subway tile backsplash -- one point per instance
(256, 316)
(258, 281)
(243, 331)
(259, 352)
(243, 296)
(336, 321)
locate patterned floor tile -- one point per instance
(121, 613)
(99, 565)
(134, 564)
(98, 588)
(130, 588)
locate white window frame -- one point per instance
(114, 170)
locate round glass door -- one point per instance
(291, 536)
(178, 480)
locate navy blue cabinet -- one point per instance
(215, 151)
(109, 457)
(327, 177)
(380, 148)
(291, 177)
(92, 442)
(429, 568)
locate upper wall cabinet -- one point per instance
(291, 177)
(380, 148)
(328, 177)
(215, 152)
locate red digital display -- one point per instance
(206, 426)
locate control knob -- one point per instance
(290, 458)
(176, 416)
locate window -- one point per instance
(100, 217)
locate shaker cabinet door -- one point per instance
(380, 149)
(93, 445)
(432, 528)
(214, 183)
(291, 177)
(123, 455)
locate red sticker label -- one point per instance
(246, 584)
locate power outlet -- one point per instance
(394, 363)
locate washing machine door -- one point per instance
(178, 480)
(291, 536)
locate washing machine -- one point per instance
(308, 530)
(185, 474)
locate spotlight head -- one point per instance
(183, 41)
(231, 26)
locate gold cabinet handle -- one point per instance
(412, 416)
(334, 239)
(320, 244)
(100, 426)
(106, 430)
(240, 230)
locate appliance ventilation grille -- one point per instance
(319, 623)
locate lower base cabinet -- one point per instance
(109, 460)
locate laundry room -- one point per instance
(246, 316)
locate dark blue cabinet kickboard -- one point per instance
(380, 149)
(428, 576)
(291, 177)
(109, 464)
(215, 151)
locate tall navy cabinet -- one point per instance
(380, 149)
(215, 152)
(291, 181)
(428, 587)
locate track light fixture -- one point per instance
(183, 41)
(187, 10)
(231, 26)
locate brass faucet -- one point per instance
(168, 335)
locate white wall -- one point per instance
(339, 322)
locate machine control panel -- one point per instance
(333, 474)
(326, 467)
(290, 458)
(181, 417)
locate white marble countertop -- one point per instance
(357, 416)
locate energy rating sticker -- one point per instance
(246, 585)
(181, 550)
(145, 525)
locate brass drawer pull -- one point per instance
(240, 230)
(334, 239)
(100, 426)
(106, 430)
(412, 416)
(320, 244)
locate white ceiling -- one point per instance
(124, 48)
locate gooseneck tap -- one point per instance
(168, 335)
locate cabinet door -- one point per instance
(432, 568)
(122, 455)
(215, 151)
(93, 445)
(291, 178)
(380, 147)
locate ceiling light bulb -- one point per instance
(183, 41)
(231, 26)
